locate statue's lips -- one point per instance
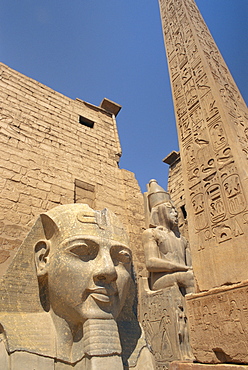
(102, 295)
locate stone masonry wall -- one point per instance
(44, 149)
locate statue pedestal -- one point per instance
(162, 313)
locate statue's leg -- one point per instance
(183, 279)
(164, 281)
(186, 279)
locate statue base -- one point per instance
(163, 318)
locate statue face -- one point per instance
(88, 277)
(172, 215)
(167, 215)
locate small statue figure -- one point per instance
(183, 332)
(165, 335)
(67, 299)
(166, 251)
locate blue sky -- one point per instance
(91, 49)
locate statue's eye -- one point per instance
(85, 252)
(124, 256)
(121, 255)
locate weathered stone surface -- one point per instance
(212, 125)
(218, 322)
(68, 297)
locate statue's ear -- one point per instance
(41, 250)
(154, 219)
(49, 226)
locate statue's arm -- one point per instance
(154, 263)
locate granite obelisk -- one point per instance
(212, 128)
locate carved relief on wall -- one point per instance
(239, 118)
(209, 106)
(234, 194)
(198, 203)
(220, 317)
(164, 321)
(217, 134)
(184, 127)
(217, 195)
(215, 203)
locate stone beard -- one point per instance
(73, 297)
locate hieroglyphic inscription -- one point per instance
(212, 126)
(220, 317)
(234, 104)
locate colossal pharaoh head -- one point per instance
(73, 268)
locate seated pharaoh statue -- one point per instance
(68, 297)
(168, 277)
(167, 254)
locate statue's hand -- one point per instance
(183, 267)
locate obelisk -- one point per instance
(212, 126)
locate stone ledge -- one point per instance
(176, 365)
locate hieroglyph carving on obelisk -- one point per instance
(212, 127)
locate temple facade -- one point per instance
(55, 150)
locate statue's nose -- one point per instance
(105, 270)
